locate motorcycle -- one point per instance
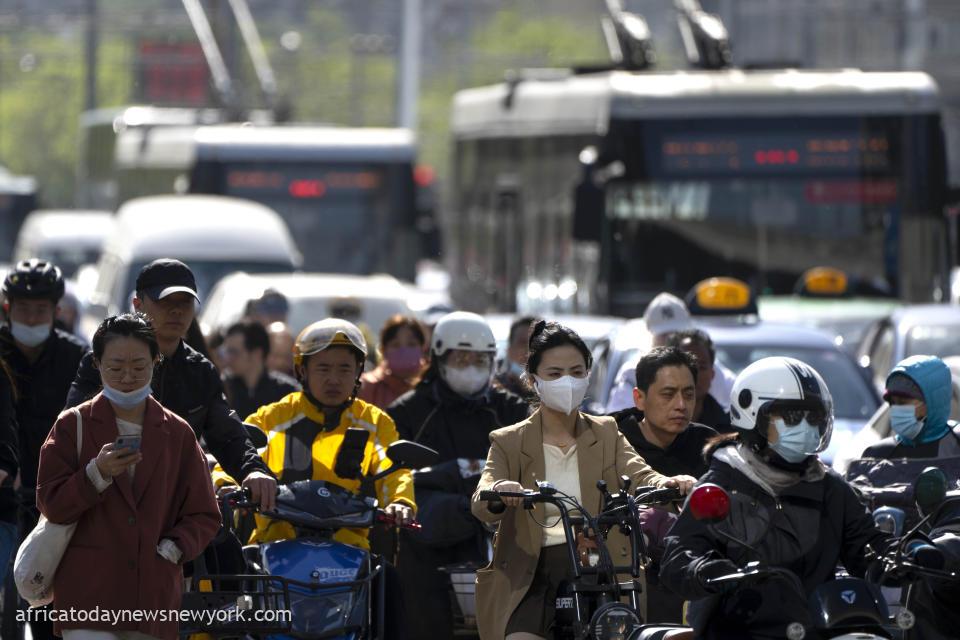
(590, 606)
(926, 559)
(846, 608)
(331, 589)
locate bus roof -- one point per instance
(180, 146)
(300, 142)
(585, 104)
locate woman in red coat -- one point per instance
(141, 512)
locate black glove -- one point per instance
(715, 569)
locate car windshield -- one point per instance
(935, 340)
(852, 397)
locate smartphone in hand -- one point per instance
(127, 442)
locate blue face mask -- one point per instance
(126, 399)
(31, 336)
(796, 443)
(903, 421)
(514, 369)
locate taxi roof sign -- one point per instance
(721, 296)
(823, 282)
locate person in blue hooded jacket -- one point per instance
(918, 390)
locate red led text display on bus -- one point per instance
(762, 154)
(300, 184)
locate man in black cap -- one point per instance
(185, 382)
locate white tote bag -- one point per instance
(40, 554)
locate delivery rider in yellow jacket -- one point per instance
(305, 429)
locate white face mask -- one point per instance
(126, 399)
(565, 394)
(30, 336)
(468, 381)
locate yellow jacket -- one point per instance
(283, 421)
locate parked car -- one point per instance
(923, 329)
(69, 238)
(738, 345)
(365, 300)
(846, 319)
(214, 235)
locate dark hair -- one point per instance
(125, 325)
(696, 336)
(519, 324)
(254, 335)
(392, 327)
(547, 335)
(660, 357)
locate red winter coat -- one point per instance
(112, 561)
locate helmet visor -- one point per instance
(808, 414)
(334, 336)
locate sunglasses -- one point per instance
(793, 417)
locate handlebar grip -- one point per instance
(490, 496)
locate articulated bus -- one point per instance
(593, 192)
(354, 198)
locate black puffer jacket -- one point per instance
(188, 384)
(808, 529)
(438, 417)
(41, 388)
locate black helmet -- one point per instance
(34, 278)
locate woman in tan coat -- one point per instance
(515, 593)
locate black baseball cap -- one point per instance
(164, 277)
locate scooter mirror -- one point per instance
(930, 489)
(410, 455)
(709, 503)
(890, 520)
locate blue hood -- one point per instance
(932, 375)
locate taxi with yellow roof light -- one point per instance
(721, 296)
(829, 299)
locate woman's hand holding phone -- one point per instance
(112, 461)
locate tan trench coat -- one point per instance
(516, 453)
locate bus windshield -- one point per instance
(345, 217)
(765, 199)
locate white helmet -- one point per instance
(464, 331)
(787, 385)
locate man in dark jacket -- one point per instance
(246, 379)
(42, 361)
(659, 428)
(185, 382)
(452, 410)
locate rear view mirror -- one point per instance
(930, 489)
(410, 455)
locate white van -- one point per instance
(368, 301)
(213, 235)
(69, 238)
